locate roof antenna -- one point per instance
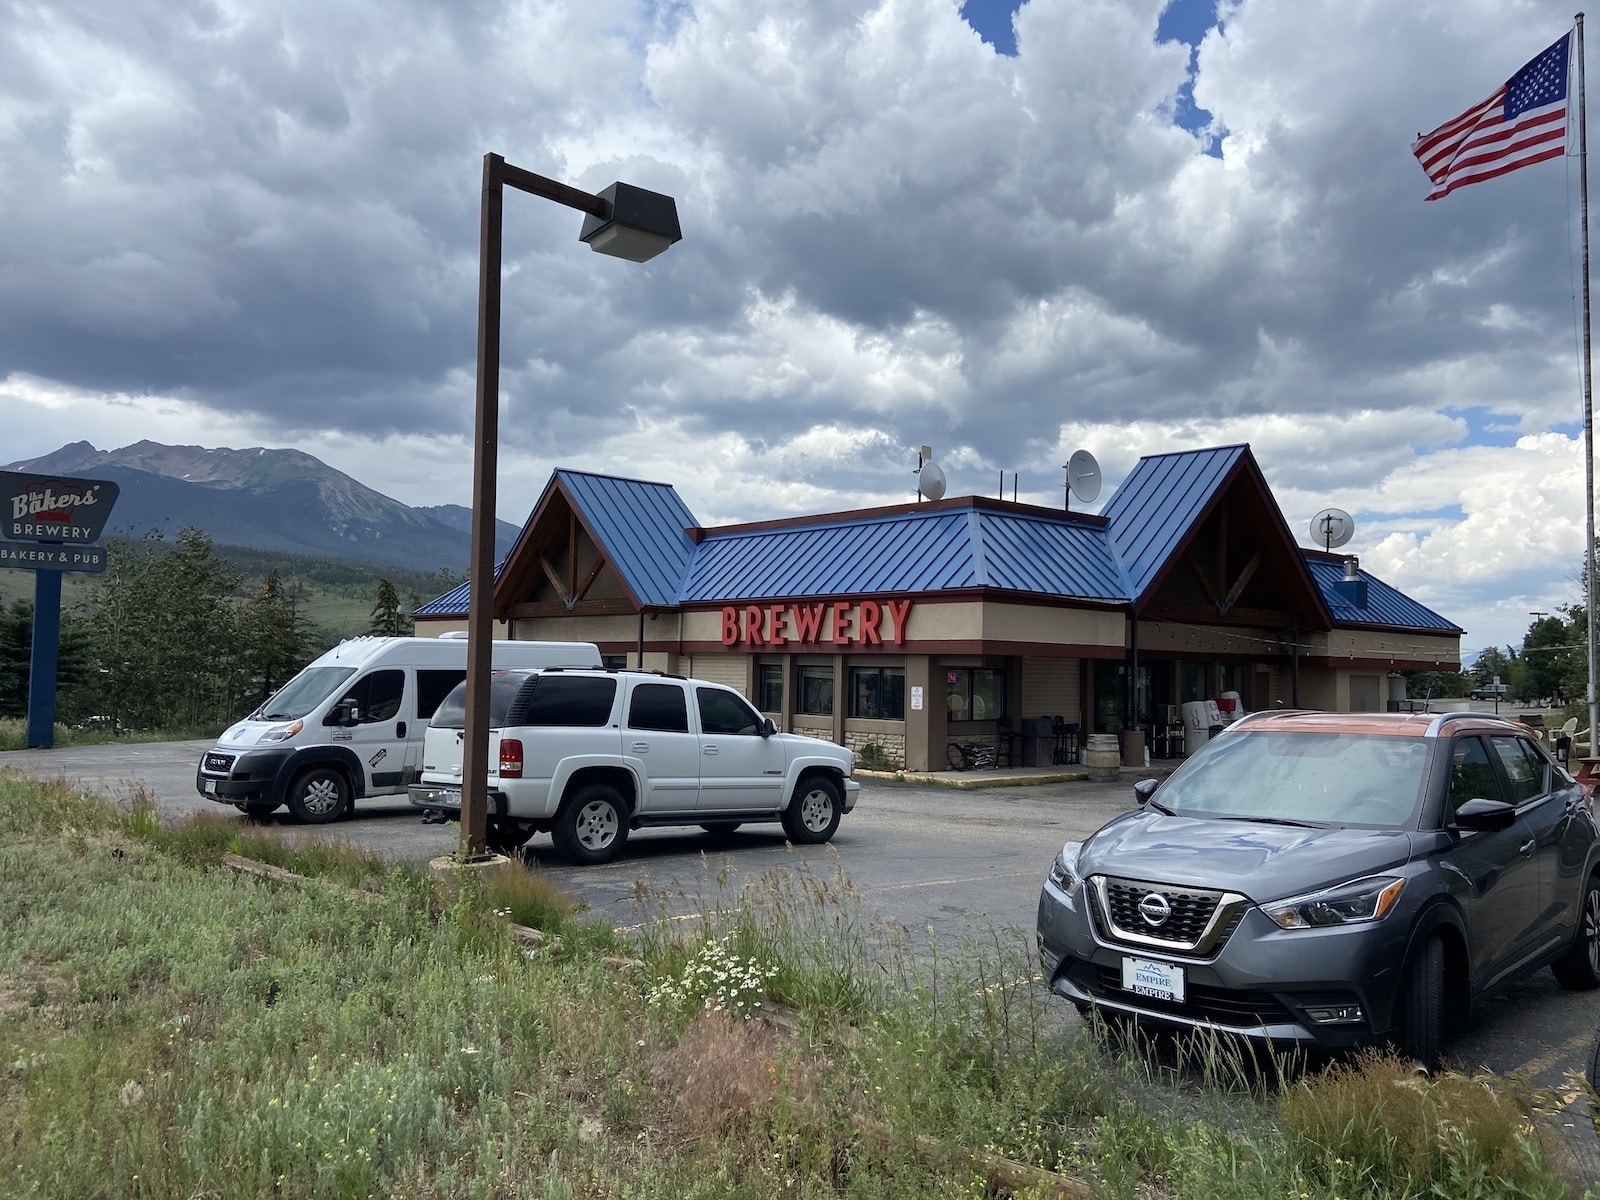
(1083, 479)
(930, 476)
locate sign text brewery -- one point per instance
(814, 623)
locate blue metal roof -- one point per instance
(1385, 605)
(456, 602)
(642, 528)
(1159, 503)
(934, 550)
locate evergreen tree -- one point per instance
(388, 620)
(276, 639)
(166, 632)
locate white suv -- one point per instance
(590, 754)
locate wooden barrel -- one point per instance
(1103, 756)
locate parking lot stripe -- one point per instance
(895, 887)
(1572, 1048)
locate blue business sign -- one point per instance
(54, 508)
(38, 556)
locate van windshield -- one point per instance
(303, 693)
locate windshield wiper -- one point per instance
(1160, 808)
(1277, 821)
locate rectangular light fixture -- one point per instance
(637, 224)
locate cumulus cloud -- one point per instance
(258, 224)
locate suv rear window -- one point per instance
(563, 700)
(503, 688)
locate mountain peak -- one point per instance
(266, 499)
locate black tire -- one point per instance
(813, 814)
(1594, 1065)
(319, 795)
(259, 812)
(592, 826)
(1419, 1023)
(1579, 969)
(721, 826)
(504, 836)
(956, 756)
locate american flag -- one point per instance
(1523, 122)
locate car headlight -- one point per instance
(1064, 871)
(1348, 904)
(279, 733)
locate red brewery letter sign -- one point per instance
(864, 622)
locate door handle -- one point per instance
(708, 750)
(1526, 848)
(640, 747)
(400, 729)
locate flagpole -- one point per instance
(1588, 400)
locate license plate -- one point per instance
(211, 786)
(1158, 980)
(447, 799)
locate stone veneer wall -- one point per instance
(892, 745)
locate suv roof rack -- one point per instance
(619, 671)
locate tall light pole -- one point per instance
(625, 222)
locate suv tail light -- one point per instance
(510, 758)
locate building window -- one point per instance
(814, 691)
(614, 662)
(769, 687)
(975, 694)
(878, 693)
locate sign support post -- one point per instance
(50, 524)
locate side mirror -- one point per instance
(344, 713)
(1144, 789)
(767, 728)
(1485, 815)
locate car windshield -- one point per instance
(503, 685)
(303, 693)
(1314, 778)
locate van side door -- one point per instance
(384, 705)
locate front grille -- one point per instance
(1199, 920)
(1191, 911)
(1221, 1006)
(219, 764)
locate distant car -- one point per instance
(1330, 880)
(1488, 691)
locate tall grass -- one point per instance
(176, 1029)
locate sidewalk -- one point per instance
(1021, 776)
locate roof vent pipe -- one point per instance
(1352, 588)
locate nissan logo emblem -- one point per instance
(1154, 909)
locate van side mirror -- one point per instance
(344, 713)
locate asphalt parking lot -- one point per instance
(944, 863)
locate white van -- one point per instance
(352, 723)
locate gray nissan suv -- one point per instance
(1332, 880)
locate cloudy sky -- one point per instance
(1125, 226)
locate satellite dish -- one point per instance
(1083, 477)
(1332, 528)
(930, 481)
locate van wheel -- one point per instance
(508, 835)
(319, 795)
(592, 825)
(814, 813)
(1420, 1022)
